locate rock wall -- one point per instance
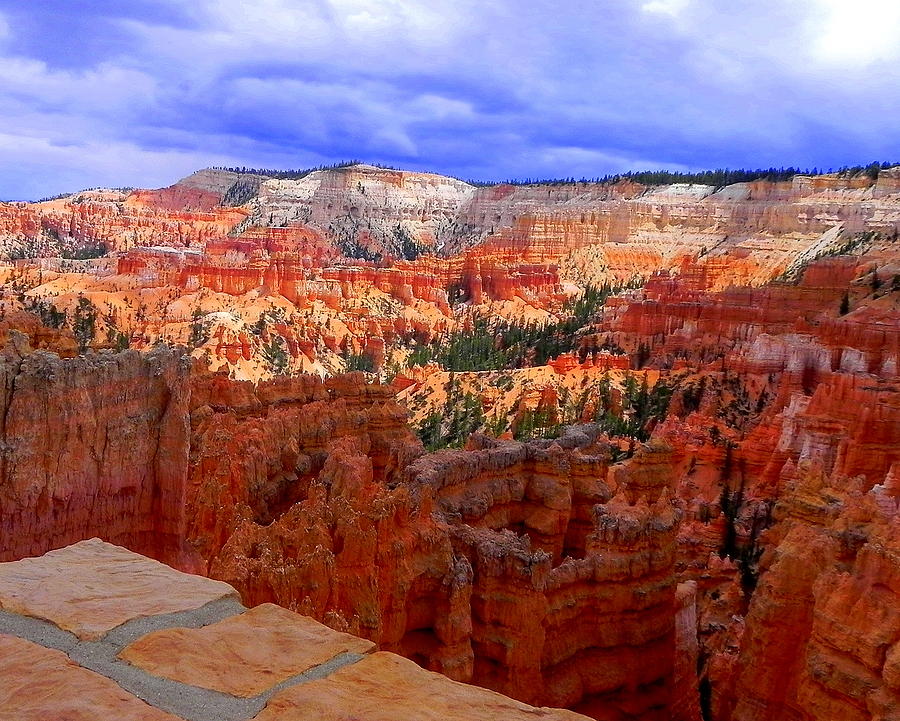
(117, 220)
(764, 330)
(482, 564)
(572, 596)
(825, 614)
(365, 209)
(95, 445)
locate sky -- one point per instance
(143, 92)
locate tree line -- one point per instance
(718, 177)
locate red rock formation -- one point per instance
(774, 328)
(627, 231)
(117, 221)
(826, 612)
(603, 361)
(554, 594)
(686, 695)
(307, 493)
(93, 445)
(37, 335)
(176, 198)
(536, 241)
(19, 219)
(288, 261)
(828, 576)
(811, 426)
(276, 497)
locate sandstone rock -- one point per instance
(37, 684)
(244, 655)
(81, 588)
(385, 687)
(92, 445)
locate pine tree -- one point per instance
(84, 323)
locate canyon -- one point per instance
(685, 507)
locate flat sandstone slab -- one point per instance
(387, 687)
(41, 684)
(91, 587)
(243, 655)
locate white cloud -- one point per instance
(26, 160)
(672, 8)
(393, 141)
(427, 22)
(393, 34)
(860, 32)
(103, 88)
(317, 113)
(431, 106)
(591, 163)
(457, 39)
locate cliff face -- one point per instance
(779, 327)
(111, 220)
(746, 233)
(92, 445)
(300, 464)
(570, 569)
(481, 564)
(595, 230)
(367, 211)
(825, 615)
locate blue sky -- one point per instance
(142, 92)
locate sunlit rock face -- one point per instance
(357, 260)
